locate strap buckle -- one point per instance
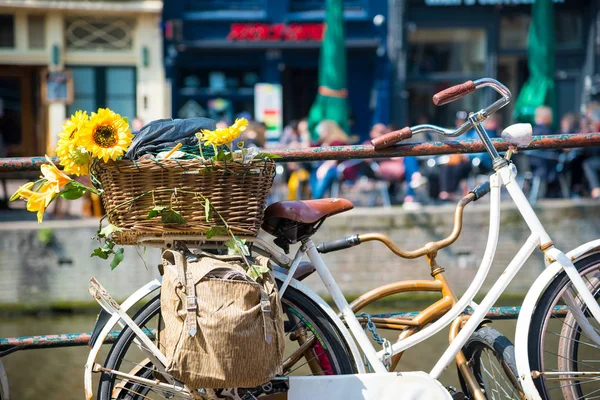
(265, 304)
(190, 303)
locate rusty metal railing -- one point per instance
(563, 141)
(9, 345)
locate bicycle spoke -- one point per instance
(492, 374)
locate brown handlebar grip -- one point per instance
(452, 93)
(391, 138)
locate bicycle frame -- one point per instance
(505, 176)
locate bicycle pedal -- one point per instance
(456, 395)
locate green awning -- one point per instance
(539, 88)
(331, 103)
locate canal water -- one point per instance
(57, 374)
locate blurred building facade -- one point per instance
(217, 50)
(57, 57)
(434, 44)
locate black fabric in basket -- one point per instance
(166, 133)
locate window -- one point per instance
(97, 33)
(7, 30)
(442, 51)
(96, 87)
(36, 31)
(514, 29)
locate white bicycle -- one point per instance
(557, 335)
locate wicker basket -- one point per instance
(131, 189)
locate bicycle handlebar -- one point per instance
(453, 93)
(429, 249)
(391, 138)
(447, 96)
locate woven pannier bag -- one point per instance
(219, 328)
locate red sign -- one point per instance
(262, 32)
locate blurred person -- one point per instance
(254, 135)
(290, 135)
(592, 113)
(456, 169)
(303, 133)
(325, 173)
(570, 161)
(296, 136)
(137, 124)
(569, 123)
(543, 162)
(591, 164)
(391, 170)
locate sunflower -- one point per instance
(106, 135)
(219, 137)
(73, 157)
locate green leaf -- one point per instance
(45, 235)
(222, 156)
(255, 271)
(117, 258)
(102, 253)
(207, 209)
(126, 120)
(109, 229)
(267, 155)
(155, 212)
(170, 216)
(72, 193)
(237, 246)
(232, 246)
(216, 231)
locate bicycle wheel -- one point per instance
(559, 345)
(303, 321)
(491, 357)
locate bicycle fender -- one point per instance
(523, 322)
(332, 314)
(385, 386)
(136, 297)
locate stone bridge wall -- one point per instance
(34, 273)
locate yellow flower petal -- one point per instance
(38, 201)
(56, 178)
(219, 137)
(69, 150)
(106, 136)
(24, 192)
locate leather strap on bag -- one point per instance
(187, 279)
(191, 305)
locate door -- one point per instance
(299, 91)
(22, 130)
